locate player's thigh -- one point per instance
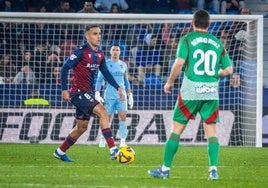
(110, 105)
(185, 110)
(84, 104)
(209, 111)
(121, 105)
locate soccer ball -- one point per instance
(126, 155)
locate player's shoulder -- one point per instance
(79, 49)
(108, 61)
(123, 62)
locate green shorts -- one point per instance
(185, 110)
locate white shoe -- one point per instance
(102, 143)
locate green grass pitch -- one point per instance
(32, 165)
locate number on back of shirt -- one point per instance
(207, 60)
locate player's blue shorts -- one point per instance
(115, 105)
(84, 103)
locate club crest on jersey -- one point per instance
(205, 89)
(72, 57)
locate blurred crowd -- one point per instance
(34, 53)
(124, 6)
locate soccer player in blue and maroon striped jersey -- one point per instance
(85, 63)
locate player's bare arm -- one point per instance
(175, 72)
(225, 72)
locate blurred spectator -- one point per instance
(169, 53)
(7, 69)
(53, 60)
(225, 37)
(240, 28)
(148, 55)
(32, 5)
(35, 99)
(237, 55)
(210, 5)
(25, 76)
(151, 79)
(68, 40)
(244, 11)
(137, 33)
(164, 7)
(6, 6)
(27, 58)
(167, 30)
(185, 6)
(13, 6)
(235, 80)
(49, 4)
(104, 6)
(64, 7)
(42, 8)
(231, 6)
(39, 66)
(135, 39)
(12, 36)
(114, 9)
(54, 77)
(88, 7)
(77, 4)
(138, 6)
(230, 92)
(33, 34)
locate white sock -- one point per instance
(212, 168)
(164, 168)
(60, 152)
(111, 149)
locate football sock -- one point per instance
(212, 168)
(171, 147)
(213, 150)
(67, 143)
(123, 129)
(164, 168)
(107, 133)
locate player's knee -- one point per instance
(82, 126)
(122, 117)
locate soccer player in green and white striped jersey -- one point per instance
(205, 61)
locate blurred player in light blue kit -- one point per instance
(111, 100)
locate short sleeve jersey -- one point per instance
(204, 55)
(118, 71)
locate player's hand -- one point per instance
(168, 88)
(98, 97)
(66, 96)
(130, 100)
(121, 94)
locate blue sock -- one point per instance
(123, 129)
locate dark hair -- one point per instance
(114, 5)
(115, 44)
(89, 1)
(88, 27)
(201, 19)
